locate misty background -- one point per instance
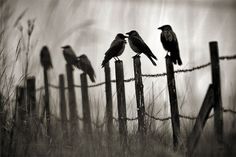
(89, 26)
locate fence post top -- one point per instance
(213, 42)
(119, 62)
(136, 56)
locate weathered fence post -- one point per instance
(72, 102)
(21, 120)
(46, 102)
(31, 97)
(63, 109)
(109, 108)
(31, 107)
(85, 105)
(139, 96)
(121, 102)
(200, 121)
(109, 113)
(173, 102)
(218, 116)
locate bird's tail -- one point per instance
(179, 61)
(153, 62)
(106, 59)
(92, 77)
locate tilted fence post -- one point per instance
(200, 121)
(85, 105)
(63, 109)
(218, 116)
(173, 102)
(72, 103)
(139, 96)
(121, 102)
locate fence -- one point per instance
(212, 100)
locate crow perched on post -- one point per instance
(45, 58)
(86, 67)
(170, 43)
(139, 46)
(116, 49)
(70, 56)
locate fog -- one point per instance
(89, 26)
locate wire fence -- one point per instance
(162, 119)
(231, 57)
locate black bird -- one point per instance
(117, 47)
(86, 67)
(170, 43)
(45, 58)
(70, 56)
(139, 46)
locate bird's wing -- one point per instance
(115, 47)
(142, 46)
(45, 59)
(87, 68)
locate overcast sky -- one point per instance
(89, 26)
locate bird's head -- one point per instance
(82, 56)
(165, 28)
(132, 33)
(121, 36)
(44, 49)
(66, 47)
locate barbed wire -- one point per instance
(149, 75)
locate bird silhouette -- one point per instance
(139, 46)
(117, 47)
(45, 58)
(70, 56)
(170, 43)
(86, 67)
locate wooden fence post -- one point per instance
(63, 109)
(109, 108)
(85, 105)
(173, 102)
(200, 121)
(218, 116)
(121, 102)
(31, 95)
(72, 102)
(109, 112)
(31, 105)
(139, 96)
(46, 102)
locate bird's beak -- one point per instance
(63, 47)
(128, 33)
(126, 36)
(159, 28)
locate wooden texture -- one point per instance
(63, 109)
(218, 114)
(173, 102)
(121, 102)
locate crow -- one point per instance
(86, 67)
(45, 58)
(170, 43)
(117, 47)
(139, 46)
(70, 56)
